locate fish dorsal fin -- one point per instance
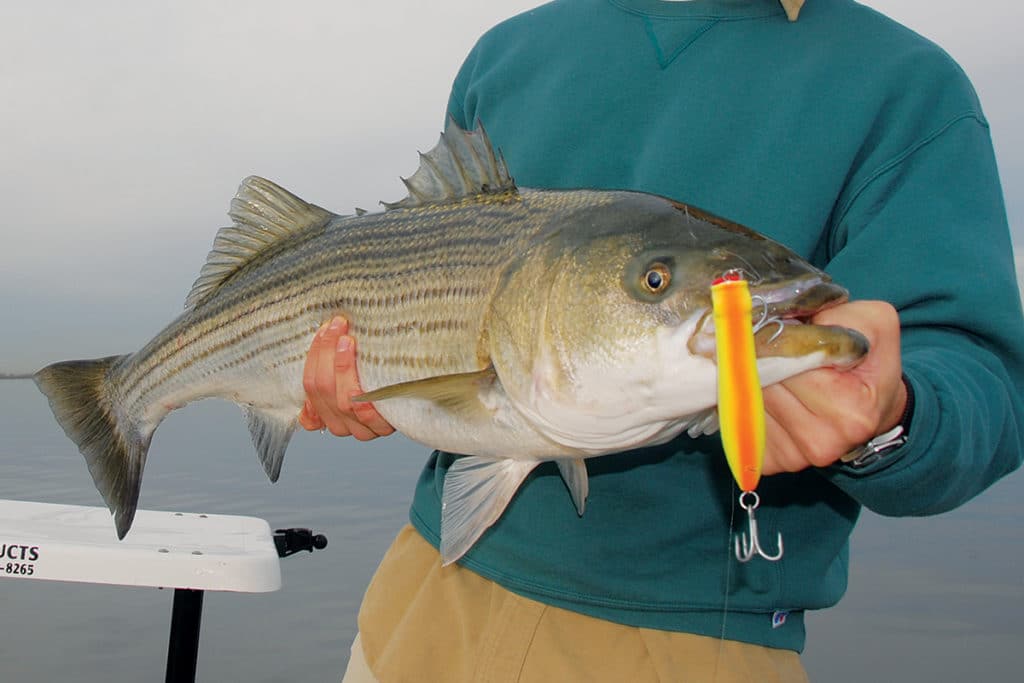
(264, 213)
(463, 164)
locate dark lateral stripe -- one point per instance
(169, 345)
(266, 348)
(171, 348)
(387, 235)
(289, 285)
(428, 327)
(436, 225)
(432, 220)
(366, 263)
(359, 269)
(214, 349)
(288, 360)
(403, 360)
(404, 244)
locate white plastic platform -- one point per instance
(163, 549)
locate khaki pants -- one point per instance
(358, 670)
(424, 623)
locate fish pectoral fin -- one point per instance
(574, 473)
(271, 432)
(704, 423)
(476, 491)
(459, 393)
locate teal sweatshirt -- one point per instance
(847, 137)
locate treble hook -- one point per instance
(765, 320)
(751, 547)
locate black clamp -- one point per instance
(290, 541)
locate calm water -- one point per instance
(937, 599)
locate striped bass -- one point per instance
(512, 325)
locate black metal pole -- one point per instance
(183, 648)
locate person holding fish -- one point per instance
(571, 341)
(839, 133)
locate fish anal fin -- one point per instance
(263, 214)
(574, 473)
(459, 392)
(271, 432)
(476, 491)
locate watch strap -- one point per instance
(880, 446)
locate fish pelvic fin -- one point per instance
(462, 165)
(80, 397)
(476, 491)
(574, 473)
(271, 433)
(264, 214)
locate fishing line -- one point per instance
(728, 576)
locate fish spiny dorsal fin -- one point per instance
(463, 164)
(264, 214)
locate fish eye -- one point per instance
(657, 278)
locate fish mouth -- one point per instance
(781, 314)
(795, 300)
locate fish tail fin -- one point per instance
(81, 399)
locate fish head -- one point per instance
(602, 333)
(786, 292)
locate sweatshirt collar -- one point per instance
(712, 9)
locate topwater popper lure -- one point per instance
(740, 403)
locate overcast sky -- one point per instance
(126, 126)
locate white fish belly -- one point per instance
(504, 433)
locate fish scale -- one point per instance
(319, 288)
(513, 326)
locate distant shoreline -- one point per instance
(15, 375)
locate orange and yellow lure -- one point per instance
(740, 402)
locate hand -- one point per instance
(816, 417)
(331, 380)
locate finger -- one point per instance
(319, 379)
(785, 419)
(880, 375)
(361, 431)
(781, 454)
(308, 418)
(842, 400)
(341, 368)
(344, 370)
(369, 416)
(819, 439)
(365, 420)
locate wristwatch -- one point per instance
(880, 446)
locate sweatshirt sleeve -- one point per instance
(927, 232)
